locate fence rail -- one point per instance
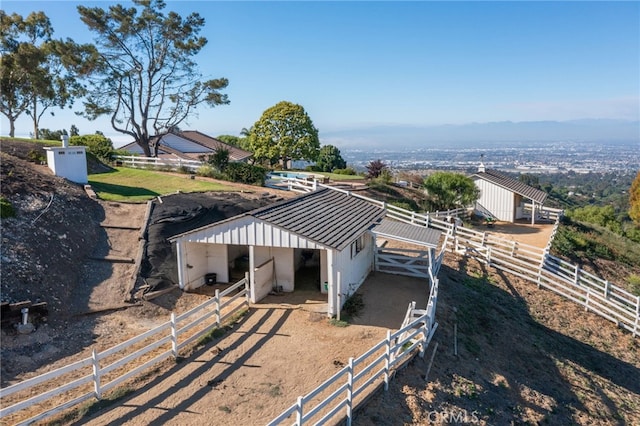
(137, 161)
(346, 388)
(528, 262)
(92, 376)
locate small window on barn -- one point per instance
(357, 246)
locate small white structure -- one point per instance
(503, 197)
(68, 162)
(334, 227)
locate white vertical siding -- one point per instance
(218, 261)
(285, 267)
(354, 270)
(194, 265)
(497, 200)
(250, 231)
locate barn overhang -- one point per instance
(408, 233)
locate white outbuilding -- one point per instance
(334, 228)
(69, 162)
(505, 198)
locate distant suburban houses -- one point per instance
(190, 145)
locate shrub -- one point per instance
(634, 284)
(348, 171)
(207, 170)
(246, 173)
(36, 156)
(98, 145)
(405, 204)
(6, 208)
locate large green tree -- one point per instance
(33, 76)
(284, 132)
(145, 78)
(329, 158)
(448, 190)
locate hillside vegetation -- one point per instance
(524, 355)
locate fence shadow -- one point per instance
(199, 364)
(509, 367)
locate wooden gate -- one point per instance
(399, 261)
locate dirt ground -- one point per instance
(523, 355)
(248, 377)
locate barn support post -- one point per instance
(179, 253)
(533, 212)
(252, 276)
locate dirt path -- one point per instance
(536, 235)
(109, 282)
(278, 352)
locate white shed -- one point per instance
(503, 197)
(333, 227)
(69, 162)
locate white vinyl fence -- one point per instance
(136, 161)
(27, 402)
(528, 262)
(337, 397)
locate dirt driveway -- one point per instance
(279, 351)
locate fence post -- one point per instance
(514, 244)
(349, 391)
(174, 336)
(586, 301)
(489, 255)
(217, 308)
(635, 327)
(387, 360)
(96, 375)
(576, 275)
(299, 412)
(247, 288)
(606, 289)
(425, 336)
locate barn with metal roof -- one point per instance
(330, 227)
(505, 198)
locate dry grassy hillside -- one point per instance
(525, 356)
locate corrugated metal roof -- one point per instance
(513, 185)
(407, 232)
(328, 217)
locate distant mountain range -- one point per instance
(485, 134)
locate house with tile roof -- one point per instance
(504, 198)
(189, 145)
(330, 233)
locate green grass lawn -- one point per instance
(138, 185)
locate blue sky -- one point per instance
(361, 64)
